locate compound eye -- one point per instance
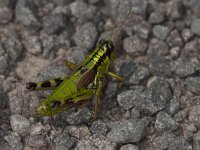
(101, 42)
(110, 46)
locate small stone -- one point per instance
(156, 17)
(179, 25)
(191, 46)
(157, 48)
(63, 140)
(126, 98)
(127, 69)
(163, 141)
(179, 144)
(99, 127)
(135, 113)
(93, 1)
(194, 6)
(161, 31)
(33, 45)
(186, 34)
(174, 106)
(6, 15)
(35, 142)
(176, 10)
(180, 116)
(14, 140)
(142, 30)
(62, 2)
(127, 131)
(191, 128)
(95, 142)
(194, 115)
(193, 84)
(37, 128)
(174, 39)
(134, 45)
(48, 44)
(195, 26)
(3, 97)
(86, 36)
(160, 65)
(196, 141)
(19, 124)
(16, 100)
(147, 101)
(165, 123)
(25, 13)
(140, 74)
(129, 147)
(54, 23)
(82, 11)
(79, 132)
(81, 116)
(175, 52)
(182, 67)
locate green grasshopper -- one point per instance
(85, 81)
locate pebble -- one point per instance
(174, 39)
(194, 115)
(54, 23)
(95, 142)
(147, 101)
(25, 13)
(175, 52)
(85, 36)
(182, 67)
(99, 127)
(156, 17)
(6, 15)
(196, 141)
(127, 131)
(134, 45)
(14, 140)
(179, 144)
(186, 34)
(160, 31)
(193, 84)
(180, 116)
(19, 124)
(165, 123)
(129, 147)
(164, 140)
(174, 106)
(63, 140)
(81, 116)
(157, 48)
(195, 26)
(33, 45)
(160, 65)
(3, 64)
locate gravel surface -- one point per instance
(156, 107)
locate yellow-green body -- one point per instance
(84, 82)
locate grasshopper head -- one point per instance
(108, 47)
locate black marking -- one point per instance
(83, 70)
(31, 86)
(58, 81)
(46, 84)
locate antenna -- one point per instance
(115, 28)
(114, 21)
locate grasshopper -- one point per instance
(85, 81)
